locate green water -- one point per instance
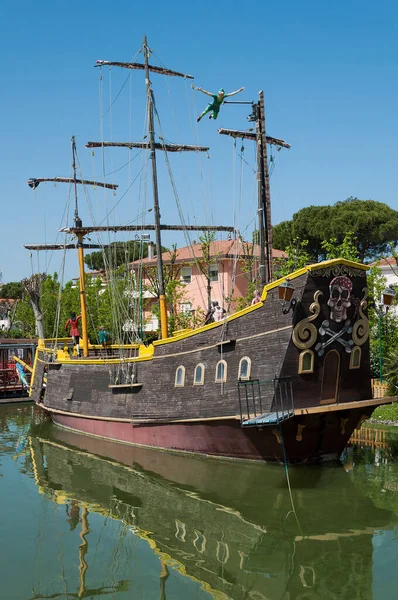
(86, 518)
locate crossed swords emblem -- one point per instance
(334, 336)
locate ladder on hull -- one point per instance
(265, 403)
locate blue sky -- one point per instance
(328, 71)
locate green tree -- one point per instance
(282, 235)
(24, 325)
(248, 267)
(346, 249)
(297, 258)
(13, 289)
(374, 225)
(388, 324)
(117, 254)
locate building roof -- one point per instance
(219, 249)
(387, 261)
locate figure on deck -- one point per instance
(219, 313)
(256, 297)
(22, 375)
(210, 313)
(214, 107)
(104, 338)
(215, 313)
(72, 322)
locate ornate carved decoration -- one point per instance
(360, 330)
(305, 333)
(343, 423)
(337, 270)
(277, 434)
(299, 435)
(361, 420)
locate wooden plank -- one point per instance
(345, 405)
(33, 182)
(251, 135)
(85, 230)
(146, 145)
(124, 385)
(140, 66)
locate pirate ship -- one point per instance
(203, 518)
(286, 379)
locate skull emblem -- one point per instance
(340, 289)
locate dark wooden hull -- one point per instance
(323, 438)
(300, 359)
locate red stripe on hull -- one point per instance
(319, 440)
(223, 438)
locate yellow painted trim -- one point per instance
(310, 268)
(132, 421)
(267, 288)
(98, 361)
(90, 346)
(199, 349)
(23, 363)
(301, 370)
(146, 351)
(331, 352)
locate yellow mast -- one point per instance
(83, 297)
(83, 566)
(78, 223)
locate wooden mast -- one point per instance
(151, 131)
(153, 146)
(80, 233)
(264, 195)
(80, 254)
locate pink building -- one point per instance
(233, 264)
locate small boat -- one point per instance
(286, 379)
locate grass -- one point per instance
(388, 412)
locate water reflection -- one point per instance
(235, 530)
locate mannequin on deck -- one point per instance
(72, 322)
(218, 99)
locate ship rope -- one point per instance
(293, 511)
(199, 163)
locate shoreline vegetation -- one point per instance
(384, 415)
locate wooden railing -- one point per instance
(379, 389)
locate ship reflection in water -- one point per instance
(231, 530)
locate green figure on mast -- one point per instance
(214, 107)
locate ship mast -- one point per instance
(264, 194)
(153, 146)
(80, 231)
(80, 255)
(151, 131)
(33, 183)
